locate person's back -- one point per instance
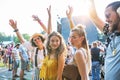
(23, 52)
(95, 52)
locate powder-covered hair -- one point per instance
(62, 47)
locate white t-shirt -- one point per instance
(15, 52)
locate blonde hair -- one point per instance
(80, 30)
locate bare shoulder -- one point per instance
(80, 54)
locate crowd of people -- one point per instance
(48, 53)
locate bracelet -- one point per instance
(15, 30)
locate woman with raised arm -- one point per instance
(37, 48)
(53, 64)
(82, 57)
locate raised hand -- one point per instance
(94, 16)
(69, 12)
(49, 11)
(35, 18)
(69, 16)
(49, 20)
(13, 23)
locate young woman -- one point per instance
(53, 64)
(37, 41)
(82, 56)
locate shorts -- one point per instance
(10, 59)
(36, 74)
(16, 64)
(24, 64)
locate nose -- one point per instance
(107, 20)
(70, 39)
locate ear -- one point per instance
(118, 11)
(82, 38)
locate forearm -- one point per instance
(43, 26)
(99, 23)
(61, 63)
(49, 25)
(94, 16)
(20, 37)
(71, 23)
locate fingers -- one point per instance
(35, 18)
(49, 10)
(69, 12)
(13, 23)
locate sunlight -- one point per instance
(80, 8)
(18, 10)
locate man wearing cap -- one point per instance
(16, 60)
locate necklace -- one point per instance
(114, 46)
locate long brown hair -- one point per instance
(60, 49)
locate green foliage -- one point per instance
(26, 36)
(4, 37)
(15, 39)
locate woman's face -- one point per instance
(54, 42)
(75, 39)
(37, 40)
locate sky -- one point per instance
(22, 10)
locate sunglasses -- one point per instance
(38, 38)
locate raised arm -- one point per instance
(69, 16)
(36, 18)
(94, 17)
(13, 24)
(49, 20)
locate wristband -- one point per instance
(15, 30)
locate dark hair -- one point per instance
(18, 44)
(33, 43)
(115, 5)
